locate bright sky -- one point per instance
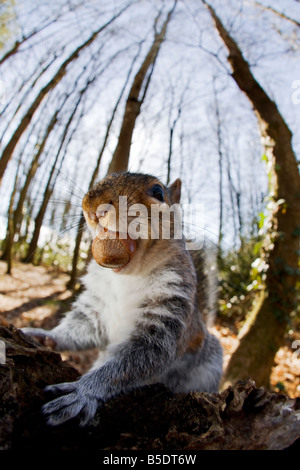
(186, 73)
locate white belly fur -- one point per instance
(119, 297)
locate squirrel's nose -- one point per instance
(102, 214)
(103, 210)
(92, 215)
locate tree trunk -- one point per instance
(221, 162)
(7, 255)
(73, 275)
(18, 215)
(171, 138)
(277, 13)
(25, 121)
(234, 199)
(120, 157)
(40, 217)
(264, 332)
(49, 189)
(134, 102)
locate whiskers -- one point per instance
(62, 221)
(73, 184)
(64, 216)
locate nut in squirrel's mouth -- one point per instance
(113, 250)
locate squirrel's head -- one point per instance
(126, 212)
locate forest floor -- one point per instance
(37, 296)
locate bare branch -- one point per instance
(25, 121)
(120, 158)
(276, 12)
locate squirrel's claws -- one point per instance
(69, 406)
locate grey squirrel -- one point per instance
(139, 305)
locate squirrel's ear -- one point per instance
(175, 190)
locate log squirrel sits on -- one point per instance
(139, 305)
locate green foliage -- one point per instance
(58, 253)
(279, 387)
(240, 276)
(261, 220)
(55, 253)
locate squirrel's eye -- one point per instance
(157, 192)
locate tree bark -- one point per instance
(265, 330)
(134, 102)
(9, 239)
(221, 163)
(25, 121)
(171, 138)
(18, 215)
(49, 189)
(242, 417)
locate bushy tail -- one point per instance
(205, 262)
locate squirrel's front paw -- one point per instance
(75, 403)
(42, 336)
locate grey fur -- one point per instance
(148, 328)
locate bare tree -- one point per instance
(235, 198)
(134, 102)
(267, 325)
(26, 38)
(218, 122)
(18, 214)
(27, 117)
(7, 255)
(173, 124)
(171, 141)
(120, 157)
(73, 275)
(50, 184)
